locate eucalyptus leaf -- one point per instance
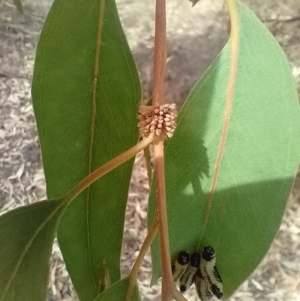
(118, 291)
(26, 238)
(259, 159)
(86, 92)
(194, 2)
(18, 4)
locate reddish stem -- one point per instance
(135, 269)
(168, 286)
(159, 53)
(161, 207)
(107, 167)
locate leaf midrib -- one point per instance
(94, 111)
(234, 39)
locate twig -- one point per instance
(135, 269)
(168, 286)
(147, 156)
(107, 167)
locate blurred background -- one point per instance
(195, 37)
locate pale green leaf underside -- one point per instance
(26, 237)
(259, 161)
(92, 227)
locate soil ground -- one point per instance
(195, 38)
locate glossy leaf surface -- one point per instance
(85, 94)
(259, 157)
(118, 291)
(26, 237)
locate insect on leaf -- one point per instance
(227, 183)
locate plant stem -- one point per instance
(147, 156)
(168, 286)
(107, 167)
(159, 53)
(161, 207)
(135, 269)
(177, 295)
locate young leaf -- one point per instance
(26, 237)
(18, 4)
(86, 92)
(259, 154)
(194, 2)
(118, 291)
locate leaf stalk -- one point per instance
(107, 167)
(135, 269)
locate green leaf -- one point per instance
(26, 237)
(18, 4)
(86, 92)
(118, 291)
(194, 2)
(258, 162)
